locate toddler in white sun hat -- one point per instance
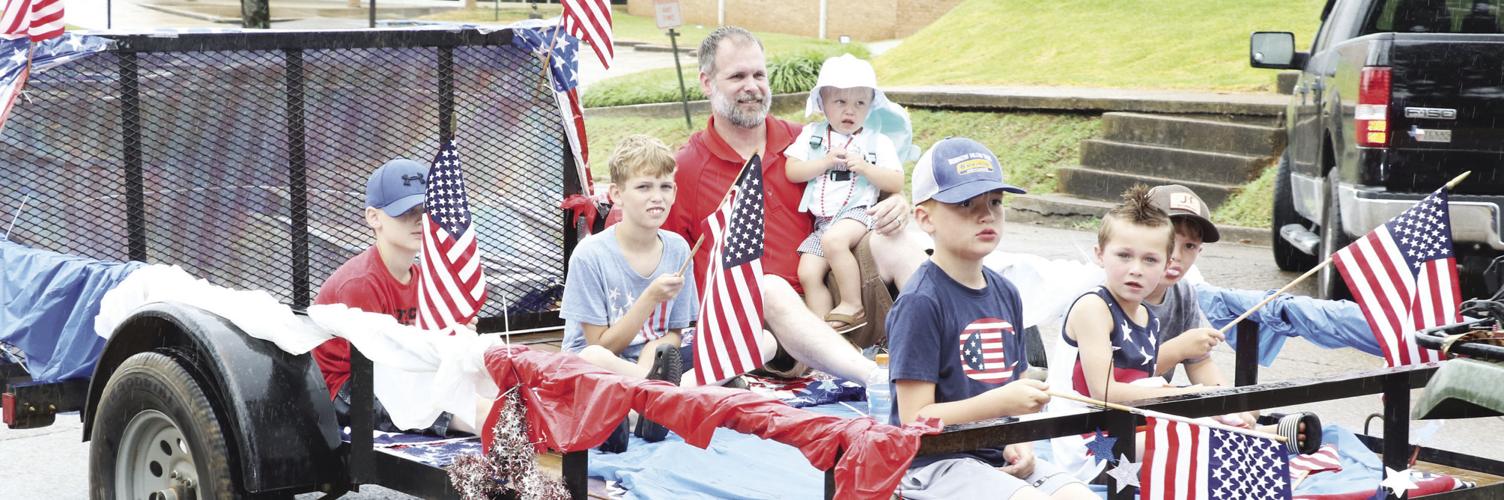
(848, 158)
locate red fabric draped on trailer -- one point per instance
(573, 406)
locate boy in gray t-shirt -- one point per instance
(625, 301)
(1186, 336)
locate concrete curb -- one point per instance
(1089, 100)
(673, 109)
(1073, 213)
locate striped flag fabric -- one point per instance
(20, 58)
(1403, 276)
(726, 344)
(984, 356)
(452, 287)
(1324, 459)
(38, 20)
(562, 55)
(590, 20)
(1186, 461)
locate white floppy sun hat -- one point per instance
(844, 72)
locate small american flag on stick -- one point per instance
(731, 304)
(1403, 275)
(1186, 461)
(452, 287)
(590, 20)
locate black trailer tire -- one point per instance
(155, 430)
(1329, 282)
(1286, 256)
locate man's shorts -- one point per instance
(969, 477)
(876, 301)
(439, 427)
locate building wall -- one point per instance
(862, 20)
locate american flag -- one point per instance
(1325, 459)
(20, 58)
(452, 286)
(983, 354)
(731, 304)
(1403, 275)
(39, 20)
(590, 20)
(563, 62)
(1185, 461)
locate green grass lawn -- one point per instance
(1200, 44)
(1252, 206)
(1031, 145)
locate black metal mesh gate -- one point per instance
(242, 157)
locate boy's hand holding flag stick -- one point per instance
(1328, 261)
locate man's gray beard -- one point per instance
(726, 107)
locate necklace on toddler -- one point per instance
(850, 186)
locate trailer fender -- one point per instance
(273, 405)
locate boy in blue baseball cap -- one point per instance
(954, 335)
(382, 279)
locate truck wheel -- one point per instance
(1329, 281)
(156, 436)
(1286, 256)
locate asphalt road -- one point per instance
(52, 463)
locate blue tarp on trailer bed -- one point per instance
(50, 301)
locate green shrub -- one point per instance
(788, 72)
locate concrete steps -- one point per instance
(1199, 134)
(1104, 185)
(1214, 155)
(1171, 163)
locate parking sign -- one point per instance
(667, 13)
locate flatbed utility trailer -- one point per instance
(242, 158)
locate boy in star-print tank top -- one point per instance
(954, 335)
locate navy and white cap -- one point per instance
(957, 169)
(397, 186)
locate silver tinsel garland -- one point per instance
(510, 465)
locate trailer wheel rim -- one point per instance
(153, 457)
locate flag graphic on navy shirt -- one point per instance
(983, 356)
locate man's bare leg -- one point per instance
(898, 255)
(808, 338)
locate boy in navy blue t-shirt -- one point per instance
(954, 344)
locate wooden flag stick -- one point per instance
(1450, 185)
(1271, 296)
(691, 258)
(1155, 414)
(730, 189)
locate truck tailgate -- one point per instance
(1447, 109)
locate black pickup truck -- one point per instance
(1395, 98)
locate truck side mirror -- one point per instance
(1275, 50)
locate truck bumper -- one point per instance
(1475, 219)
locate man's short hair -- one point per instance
(640, 155)
(1136, 209)
(713, 42)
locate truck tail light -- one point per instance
(1372, 115)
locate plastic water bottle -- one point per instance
(880, 391)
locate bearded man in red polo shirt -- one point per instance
(734, 75)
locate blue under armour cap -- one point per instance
(397, 186)
(957, 169)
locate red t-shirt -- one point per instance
(363, 283)
(706, 168)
